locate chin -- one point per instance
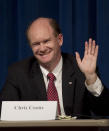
(44, 61)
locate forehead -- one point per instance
(39, 29)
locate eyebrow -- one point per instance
(36, 42)
(47, 39)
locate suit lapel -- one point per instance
(37, 82)
(68, 84)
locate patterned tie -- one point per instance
(52, 94)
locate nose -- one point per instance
(42, 47)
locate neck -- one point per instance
(51, 66)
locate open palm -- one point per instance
(88, 64)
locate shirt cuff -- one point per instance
(96, 88)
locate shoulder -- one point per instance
(24, 65)
(70, 63)
(69, 58)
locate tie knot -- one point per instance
(51, 76)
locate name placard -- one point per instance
(28, 110)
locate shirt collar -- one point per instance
(56, 71)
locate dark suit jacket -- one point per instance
(25, 83)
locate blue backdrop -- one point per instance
(79, 20)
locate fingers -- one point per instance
(91, 47)
(86, 48)
(96, 50)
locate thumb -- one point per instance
(78, 58)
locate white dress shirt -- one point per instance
(95, 88)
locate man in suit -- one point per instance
(79, 89)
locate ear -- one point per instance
(60, 39)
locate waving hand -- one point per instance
(88, 64)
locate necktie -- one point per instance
(52, 94)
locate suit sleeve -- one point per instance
(100, 105)
(10, 91)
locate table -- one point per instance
(77, 125)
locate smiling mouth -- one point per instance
(44, 54)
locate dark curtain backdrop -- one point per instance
(79, 20)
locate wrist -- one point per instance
(91, 78)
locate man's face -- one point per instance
(45, 45)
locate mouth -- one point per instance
(45, 54)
